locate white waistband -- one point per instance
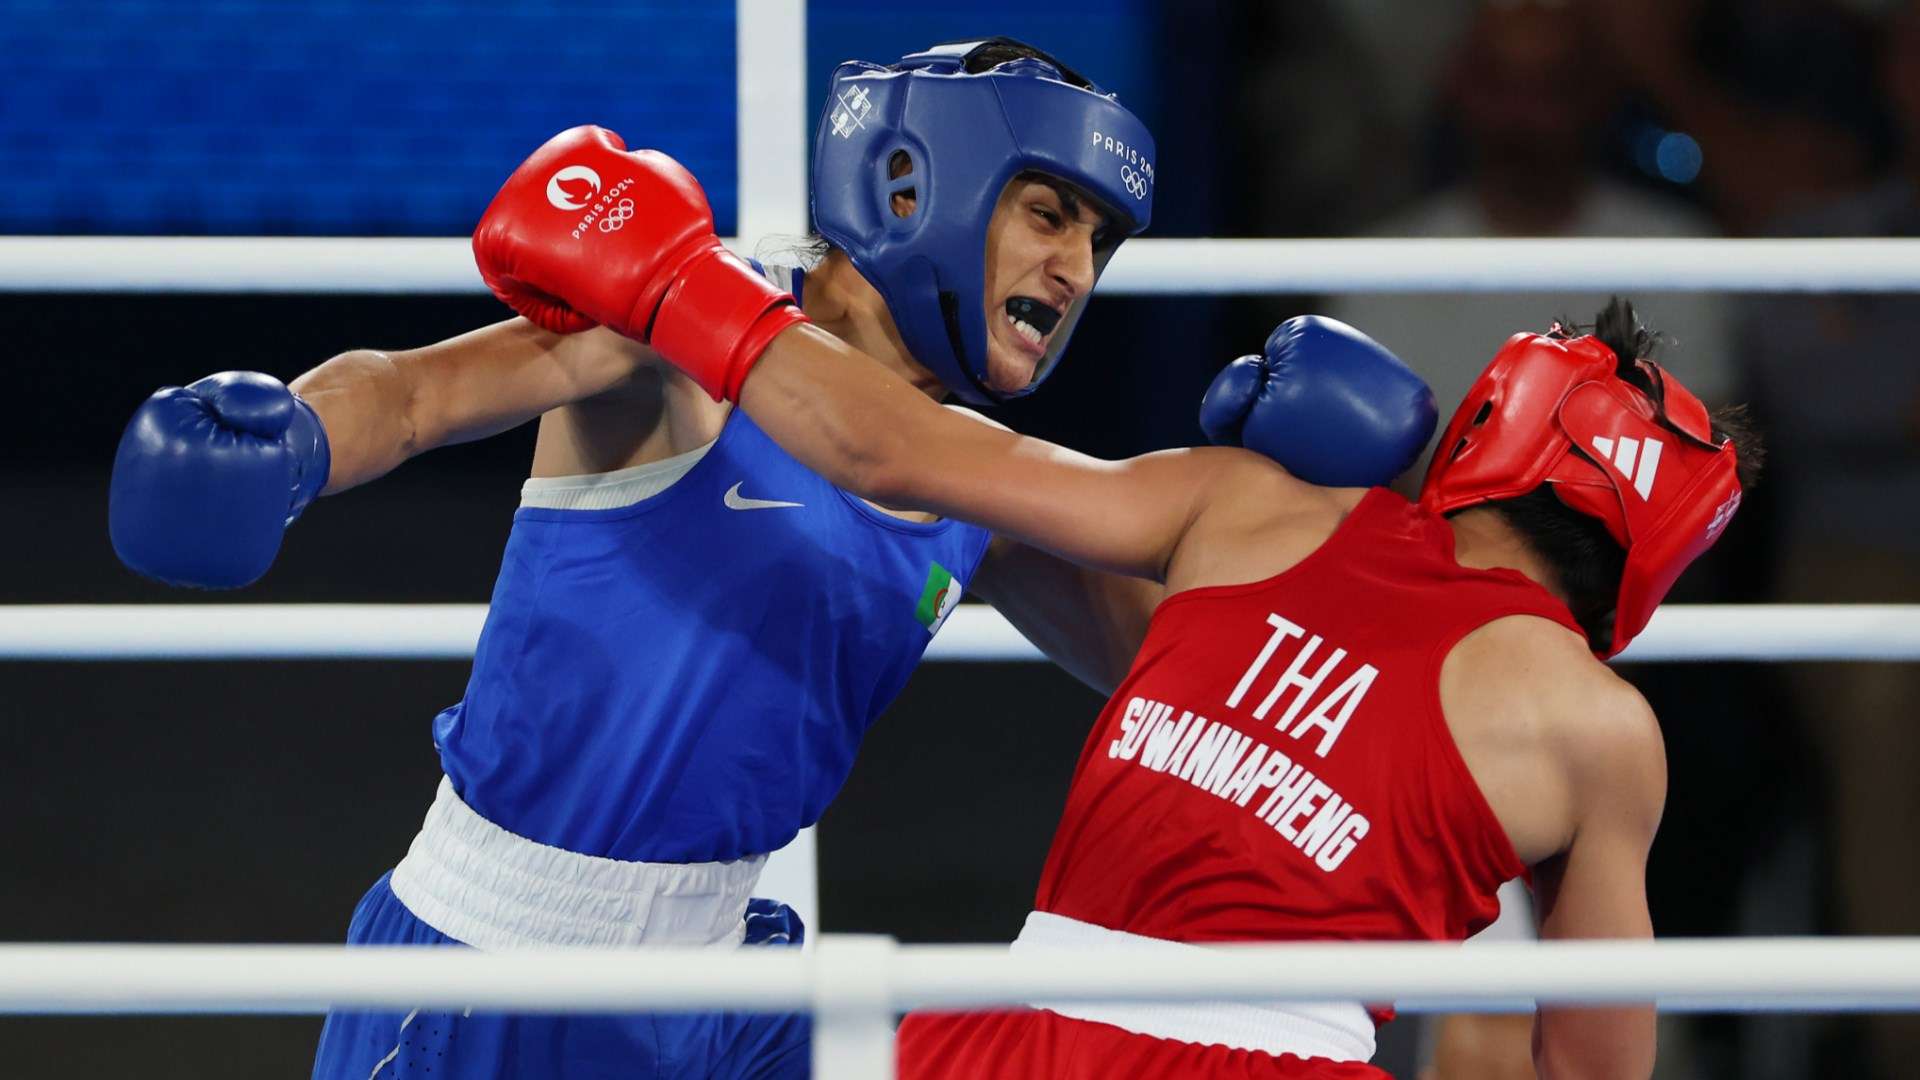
(1337, 1030)
(480, 884)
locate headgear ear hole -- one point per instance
(1486, 410)
(902, 202)
(1458, 448)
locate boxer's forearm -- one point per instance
(381, 408)
(362, 400)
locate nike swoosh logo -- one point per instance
(737, 501)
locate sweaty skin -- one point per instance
(1568, 755)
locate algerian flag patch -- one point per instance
(937, 598)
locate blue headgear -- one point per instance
(966, 135)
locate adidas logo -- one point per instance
(1721, 516)
(1638, 460)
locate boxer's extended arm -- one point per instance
(665, 277)
(1089, 622)
(381, 408)
(865, 430)
(1597, 887)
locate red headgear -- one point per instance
(1554, 411)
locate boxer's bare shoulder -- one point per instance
(1547, 730)
(1256, 520)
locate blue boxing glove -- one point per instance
(209, 476)
(770, 922)
(1327, 402)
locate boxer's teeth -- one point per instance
(1035, 313)
(1031, 334)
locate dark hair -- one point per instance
(786, 249)
(1585, 560)
(994, 51)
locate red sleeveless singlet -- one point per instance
(1276, 766)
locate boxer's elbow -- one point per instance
(1594, 1044)
(1568, 1067)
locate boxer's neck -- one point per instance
(843, 303)
(1484, 540)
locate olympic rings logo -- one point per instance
(1136, 183)
(617, 217)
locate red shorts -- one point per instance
(1040, 1044)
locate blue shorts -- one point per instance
(384, 1046)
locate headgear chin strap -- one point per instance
(1555, 411)
(965, 135)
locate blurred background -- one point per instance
(238, 802)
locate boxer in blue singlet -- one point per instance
(690, 631)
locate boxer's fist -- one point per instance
(209, 476)
(586, 231)
(1325, 401)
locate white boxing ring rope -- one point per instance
(1145, 267)
(854, 985)
(849, 972)
(974, 633)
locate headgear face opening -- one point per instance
(1555, 411)
(966, 134)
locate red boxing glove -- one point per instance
(714, 326)
(586, 231)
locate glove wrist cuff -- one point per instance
(312, 456)
(717, 318)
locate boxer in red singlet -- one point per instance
(1352, 717)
